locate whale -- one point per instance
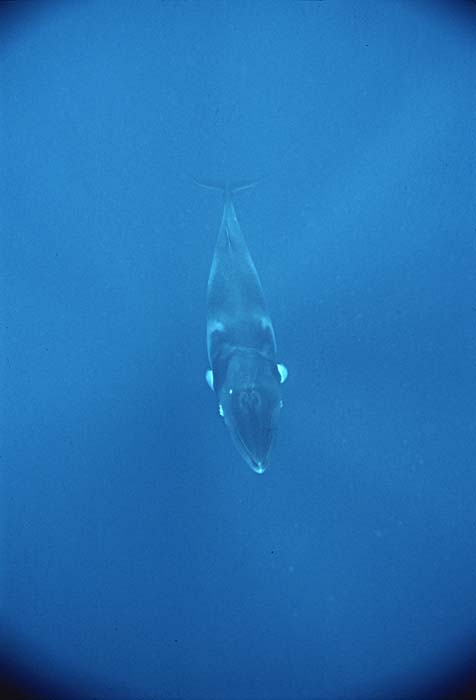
(244, 372)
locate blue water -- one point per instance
(140, 556)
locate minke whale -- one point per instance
(244, 372)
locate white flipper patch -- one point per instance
(215, 326)
(209, 378)
(283, 372)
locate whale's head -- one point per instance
(250, 399)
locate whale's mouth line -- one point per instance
(256, 464)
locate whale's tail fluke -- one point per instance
(227, 188)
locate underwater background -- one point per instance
(140, 557)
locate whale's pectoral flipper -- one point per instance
(209, 378)
(282, 369)
(283, 372)
(241, 342)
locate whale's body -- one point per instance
(242, 345)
